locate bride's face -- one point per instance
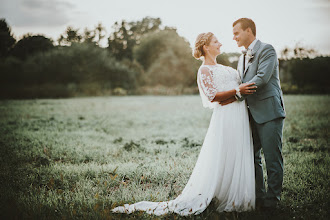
(214, 47)
(240, 36)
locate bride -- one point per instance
(224, 171)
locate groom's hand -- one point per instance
(228, 101)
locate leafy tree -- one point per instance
(298, 52)
(99, 32)
(228, 59)
(166, 58)
(31, 44)
(154, 44)
(89, 35)
(128, 34)
(81, 63)
(7, 40)
(308, 71)
(94, 36)
(285, 53)
(11, 69)
(70, 36)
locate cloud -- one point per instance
(36, 13)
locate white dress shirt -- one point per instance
(250, 48)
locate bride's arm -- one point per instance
(228, 101)
(222, 96)
(209, 88)
(235, 98)
(228, 97)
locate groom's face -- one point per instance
(240, 36)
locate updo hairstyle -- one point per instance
(201, 40)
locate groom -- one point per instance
(259, 64)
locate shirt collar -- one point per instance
(252, 44)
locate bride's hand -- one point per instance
(247, 88)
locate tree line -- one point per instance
(142, 57)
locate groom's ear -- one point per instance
(248, 29)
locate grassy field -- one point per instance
(78, 158)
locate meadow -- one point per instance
(77, 158)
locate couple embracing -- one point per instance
(248, 116)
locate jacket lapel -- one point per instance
(254, 50)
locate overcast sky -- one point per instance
(279, 22)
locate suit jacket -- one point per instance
(267, 103)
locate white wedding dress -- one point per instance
(224, 171)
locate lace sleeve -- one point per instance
(206, 86)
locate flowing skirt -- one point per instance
(224, 171)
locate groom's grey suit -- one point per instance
(266, 110)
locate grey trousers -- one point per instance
(268, 137)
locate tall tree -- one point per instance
(166, 59)
(70, 36)
(7, 40)
(89, 35)
(99, 32)
(128, 34)
(298, 52)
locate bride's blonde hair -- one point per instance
(201, 40)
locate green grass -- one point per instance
(80, 157)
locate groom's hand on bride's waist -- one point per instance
(228, 101)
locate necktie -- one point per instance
(244, 53)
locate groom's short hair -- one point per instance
(246, 23)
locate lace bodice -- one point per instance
(215, 78)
